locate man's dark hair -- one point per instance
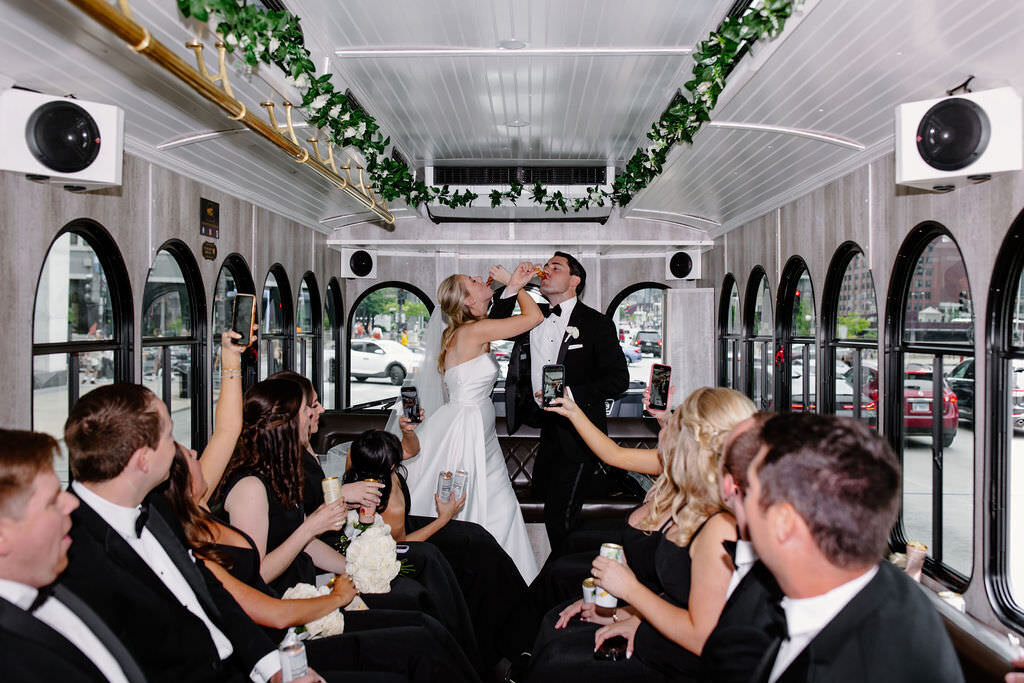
(106, 426)
(840, 476)
(744, 448)
(375, 453)
(23, 456)
(575, 268)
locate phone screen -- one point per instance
(661, 378)
(411, 403)
(241, 317)
(554, 384)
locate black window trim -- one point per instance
(725, 339)
(897, 298)
(784, 338)
(287, 338)
(239, 269)
(333, 295)
(750, 297)
(316, 334)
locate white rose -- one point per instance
(330, 624)
(318, 103)
(301, 82)
(370, 559)
(350, 132)
(361, 129)
(244, 42)
(335, 110)
(273, 45)
(231, 40)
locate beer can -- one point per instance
(605, 601)
(444, 486)
(589, 589)
(459, 483)
(612, 551)
(332, 489)
(367, 514)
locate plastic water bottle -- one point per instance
(293, 657)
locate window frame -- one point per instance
(1001, 353)
(831, 344)
(334, 296)
(749, 300)
(897, 303)
(795, 267)
(725, 339)
(194, 289)
(122, 307)
(244, 284)
(287, 338)
(315, 337)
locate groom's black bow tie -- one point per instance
(554, 310)
(730, 547)
(42, 596)
(140, 521)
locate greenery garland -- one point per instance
(274, 37)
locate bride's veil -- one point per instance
(427, 379)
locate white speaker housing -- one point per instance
(1004, 153)
(346, 264)
(16, 107)
(694, 273)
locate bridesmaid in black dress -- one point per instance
(673, 598)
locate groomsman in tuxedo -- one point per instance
(46, 632)
(822, 495)
(129, 559)
(585, 341)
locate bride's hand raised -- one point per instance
(521, 275)
(499, 274)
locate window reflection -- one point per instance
(639, 320)
(73, 298)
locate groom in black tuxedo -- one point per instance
(586, 343)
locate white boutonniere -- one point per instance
(571, 333)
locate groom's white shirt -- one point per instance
(545, 341)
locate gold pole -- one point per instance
(138, 38)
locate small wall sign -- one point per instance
(209, 218)
(209, 251)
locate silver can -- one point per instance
(444, 486)
(589, 589)
(613, 551)
(459, 483)
(332, 489)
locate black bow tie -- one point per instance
(730, 547)
(777, 616)
(140, 522)
(42, 596)
(555, 310)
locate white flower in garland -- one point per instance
(302, 82)
(370, 559)
(318, 103)
(231, 39)
(331, 624)
(273, 45)
(335, 110)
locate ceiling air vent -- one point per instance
(527, 175)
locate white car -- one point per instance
(382, 358)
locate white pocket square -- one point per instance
(574, 346)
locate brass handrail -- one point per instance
(121, 24)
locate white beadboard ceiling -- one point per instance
(839, 70)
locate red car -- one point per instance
(917, 400)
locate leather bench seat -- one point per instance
(520, 451)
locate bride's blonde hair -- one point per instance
(451, 297)
(690, 448)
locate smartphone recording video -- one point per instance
(242, 315)
(661, 378)
(553, 379)
(411, 404)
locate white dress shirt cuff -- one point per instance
(264, 670)
(505, 294)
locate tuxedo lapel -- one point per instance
(99, 629)
(183, 561)
(19, 622)
(567, 338)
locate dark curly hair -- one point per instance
(196, 522)
(270, 445)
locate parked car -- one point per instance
(382, 358)
(917, 400)
(632, 353)
(648, 341)
(961, 381)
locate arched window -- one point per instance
(173, 323)
(82, 326)
(639, 316)
(308, 337)
(796, 335)
(758, 376)
(729, 334)
(930, 324)
(850, 323)
(276, 323)
(333, 309)
(234, 278)
(385, 327)
(1005, 415)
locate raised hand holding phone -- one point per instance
(661, 379)
(242, 316)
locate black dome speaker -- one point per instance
(63, 136)
(360, 263)
(953, 134)
(680, 264)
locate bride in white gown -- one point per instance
(458, 431)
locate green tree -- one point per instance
(376, 303)
(856, 326)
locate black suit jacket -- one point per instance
(170, 643)
(595, 369)
(30, 650)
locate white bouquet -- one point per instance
(371, 560)
(331, 624)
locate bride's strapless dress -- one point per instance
(461, 435)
